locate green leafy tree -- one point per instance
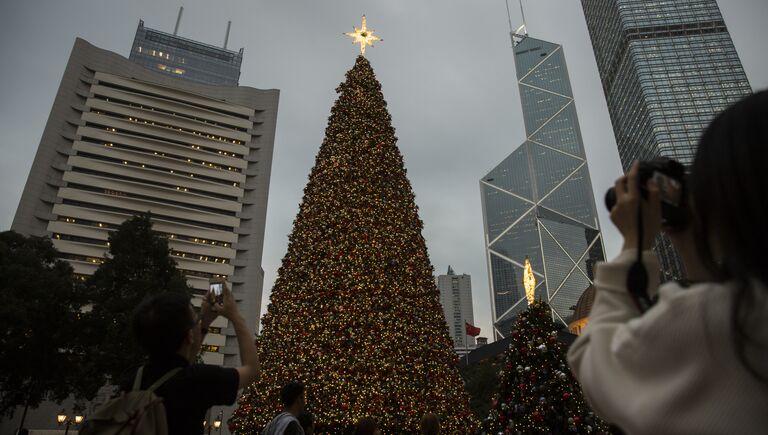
(537, 392)
(481, 380)
(355, 314)
(138, 265)
(39, 317)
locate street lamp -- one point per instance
(216, 424)
(65, 420)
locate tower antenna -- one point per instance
(516, 35)
(226, 36)
(178, 21)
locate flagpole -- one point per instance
(466, 350)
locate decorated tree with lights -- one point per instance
(354, 312)
(537, 392)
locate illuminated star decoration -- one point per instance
(363, 36)
(529, 282)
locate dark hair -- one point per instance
(306, 419)
(161, 322)
(430, 424)
(366, 426)
(290, 393)
(728, 188)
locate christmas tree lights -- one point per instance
(355, 313)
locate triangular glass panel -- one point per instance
(520, 241)
(595, 256)
(574, 199)
(573, 239)
(545, 213)
(550, 167)
(562, 132)
(507, 280)
(552, 75)
(529, 53)
(501, 210)
(568, 295)
(558, 265)
(513, 174)
(539, 106)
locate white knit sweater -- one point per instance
(673, 370)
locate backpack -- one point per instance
(137, 412)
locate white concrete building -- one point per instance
(456, 298)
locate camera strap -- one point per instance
(637, 276)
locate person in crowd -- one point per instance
(430, 424)
(287, 422)
(168, 329)
(367, 426)
(697, 361)
(307, 422)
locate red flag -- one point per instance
(472, 330)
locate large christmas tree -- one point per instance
(354, 313)
(537, 392)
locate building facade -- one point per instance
(184, 58)
(667, 68)
(538, 201)
(123, 140)
(456, 298)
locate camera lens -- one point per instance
(610, 198)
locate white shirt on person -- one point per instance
(674, 369)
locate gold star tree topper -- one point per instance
(529, 282)
(363, 36)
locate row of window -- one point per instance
(160, 54)
(108, 226)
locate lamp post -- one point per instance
(215, 424)
(67, 420)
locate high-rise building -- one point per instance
(667, 68)
(538, 202)
(123, 140)
(456, 298)
(184, 58)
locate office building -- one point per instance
(456, 298)
(184, 58)
(122, 140)
(667, 68)
(538, 202)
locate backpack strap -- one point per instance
(158, 383)
(163, 380)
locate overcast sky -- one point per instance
(447, 73)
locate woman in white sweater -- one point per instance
(696, 362)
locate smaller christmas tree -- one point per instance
(537, 392)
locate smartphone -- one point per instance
(216, 292)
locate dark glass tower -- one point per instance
(185, 58)
(667, 68)
(538, 202)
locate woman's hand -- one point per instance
(624, 213)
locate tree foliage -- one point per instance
(138, 265)
(40, 319)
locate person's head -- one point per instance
(292, 397)
(728, 191)
(164, 325)
(728, 200)
(430, 424)
(367, 426)
(307, 422)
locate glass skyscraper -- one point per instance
(667, 68)
(185, 58)
(538, 202)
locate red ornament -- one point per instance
(515, 333)
(566, 395)
(552, 339)
(521, 386)
(577, 419)
(537, 416)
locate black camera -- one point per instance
(670, 178)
